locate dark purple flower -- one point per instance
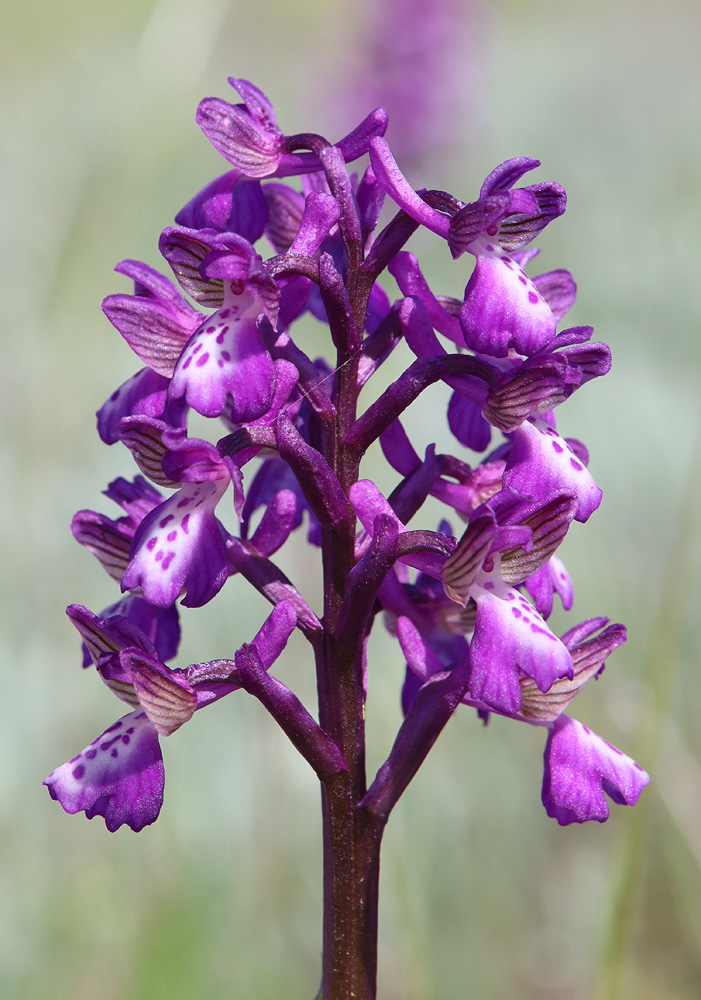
(225, 356)
(469, 615)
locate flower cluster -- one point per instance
(254, 252)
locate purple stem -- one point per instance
(432, 707)
(317, 748)
(272, 583)
(400, 394)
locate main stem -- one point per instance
(351, 835)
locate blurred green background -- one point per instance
(482, 895)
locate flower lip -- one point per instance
(579, 768)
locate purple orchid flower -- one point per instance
(180, 545)
(120, 775)
(579, 765)
(503, 309)
(248, 136)
(225, 356)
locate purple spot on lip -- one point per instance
(532, 297)
(558, 447)
(224, 313)
(515, 612)
(197, 347)
(576, 465)
(226, 355)
(184, 524)
(159, 555)
(166, 519)
(490, 248)
(151, 543)
(91, 754)
(114, 753)
(220, 363)
(126, 740)
(203, 359)
(523, 279)
(489, 585)
(186, 362)
(210, 329)
(172, 535)
(78, 772)
(168, 560)
(183, 503)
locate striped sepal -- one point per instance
(549, 526)
(168, 702)
(123, 690)
(156, 335)
(457, 620)
(97, 639)
(588, 658)
(144, 439)
(185, 253)
(539, 706)
(108, 541)
(461, 568)
(529, 392)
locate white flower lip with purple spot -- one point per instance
(226, 358)
(180, 546)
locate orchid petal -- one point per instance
(165, 695)
(227, 356)
(180, 545)
(119, 776)
(579, 768)
(503, 309)
(511, 637)
(541, 462)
